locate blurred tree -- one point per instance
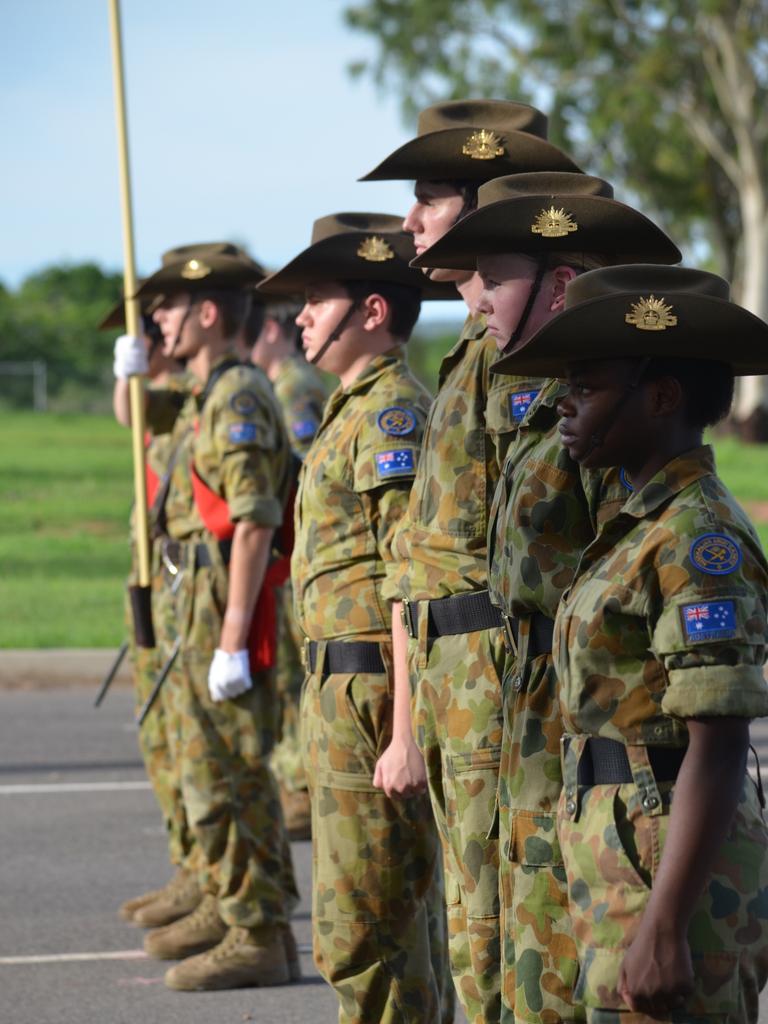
(53, 316)
(670, 97)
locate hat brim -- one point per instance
(328, 260)
(707, 328)
(604, 226)
(223, 275)
(438, 156)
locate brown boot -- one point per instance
(291, 953)
(297, 813)
(180, 897)
(129, 908)
(245, 958)
(202, 929)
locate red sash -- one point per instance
(153, 480)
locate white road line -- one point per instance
(71, 958)
(25, 789)
(66, 958)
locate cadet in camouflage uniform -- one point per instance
(226, 491)
(659, 648)
(182, 894)
(301, 391)
(534, 233)
(378, 921)
(455, 653)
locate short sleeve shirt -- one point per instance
(441, 544)
(353, 492)
(667, 617)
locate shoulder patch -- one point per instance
(716, 554)
(520, 402)
(304, 429)
(399, 461)
(709, 620)
(244, 402)
(242, 433)
(396, 422)
(624, 480)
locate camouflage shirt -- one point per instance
(667, 617)
(441, 543)
(238, 446)
(301, 393)
(544, 513)
(353, 490)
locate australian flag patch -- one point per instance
(242, 433)
(304, 429)
(397, 462)
(709, 620)
(519, 403)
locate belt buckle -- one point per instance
(406, 617)
(510, 644)
(171, 568)
(304, 654)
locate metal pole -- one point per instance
(132, 312)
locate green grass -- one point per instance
(65, 495)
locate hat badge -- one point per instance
(483, 145)
(651, 314)
(554, 223)
(375, 250)
(194, 270)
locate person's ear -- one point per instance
(208, 313)
(561, 278)
(270, 332)
(375, 312)
(666, 396)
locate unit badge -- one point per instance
(651, 314)
(195, 270)
(710, 620)
(375, 250)
(554, 223)
(396, 421)
(244, 403)
(483, 145)
(716, 554)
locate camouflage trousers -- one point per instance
(379, 930)
(456, 682)
(229, 793)
(287, 757)
(612, 848)
(155, 742)
(539, 962)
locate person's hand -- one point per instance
(656, 975)
(400, 771)
(130, 356)
(229, 675)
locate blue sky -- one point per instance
(243, 123)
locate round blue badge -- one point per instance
(716, 554)
(396, 421)
(244, 403)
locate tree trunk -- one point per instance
(750, 413)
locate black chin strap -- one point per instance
(542, 265)
(335, 334)
(182, 325)
(599, 436)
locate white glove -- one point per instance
(130, 356)
(229, 675)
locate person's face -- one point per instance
(507, 281)
(600, 402)
(324, 307)
(436, 209)
(172, 319)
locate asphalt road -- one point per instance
(79, 833)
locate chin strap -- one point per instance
(542, 264)
(599, 436)
(182, 325)
(335, 334)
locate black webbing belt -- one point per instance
(177, 553)
(539, 638)
(346, 658)
(464, 613)
(604, 762)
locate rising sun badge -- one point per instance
(651, 314)
(554, 223)
(375, 250)
(483, 145)
(195, 270)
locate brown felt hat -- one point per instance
(550, 211)
(116, 316)
(202, 266)
(644, 310)
(474, 140)
(355, 247)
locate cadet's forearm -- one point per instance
(402, 728)
(251, 548)
(121, 402)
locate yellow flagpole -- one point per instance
(132, 311)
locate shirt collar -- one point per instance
(678, 474)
